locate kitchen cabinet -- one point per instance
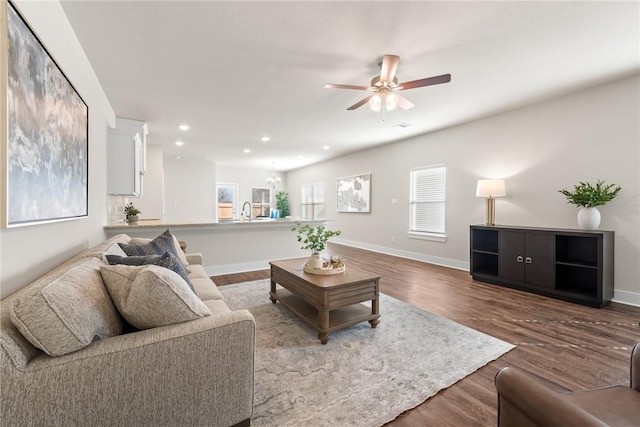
(127, 157)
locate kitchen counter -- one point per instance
(227, 247)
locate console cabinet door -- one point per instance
(539, 259)
(511, 255)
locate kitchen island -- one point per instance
(228, 246)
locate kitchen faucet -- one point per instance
(243, 206)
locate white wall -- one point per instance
(28, 252)
(189, 190)
(588, 135)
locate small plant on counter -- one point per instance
(314, 238)
(589, 196)
(130, 210)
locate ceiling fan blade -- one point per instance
(360, 103)
(388, 68)
(404, 103)
(429, 81)
(337, 86)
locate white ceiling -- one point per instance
(236, 71)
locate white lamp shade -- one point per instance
(490, 187)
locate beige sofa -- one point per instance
(195, 373)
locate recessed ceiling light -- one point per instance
(179, 143)
(326, 147)
(246, 151)
(184, 127)
(265, 139)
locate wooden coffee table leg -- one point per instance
(375, 309)
(272, 294)
(323, 337)
(323, 315)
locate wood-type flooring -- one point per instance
(574, 346)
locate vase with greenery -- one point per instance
(131, 213)
(282, 204)
(587, 197)
(314, 239)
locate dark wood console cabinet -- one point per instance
(572, 265)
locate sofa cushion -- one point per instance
(166, 242)
(68, 313)
(205, 288)
(151, 296)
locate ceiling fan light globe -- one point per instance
(391, 101)
(375, 103)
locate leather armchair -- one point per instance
(525, 401)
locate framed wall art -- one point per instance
(47, 123)
(354, 193)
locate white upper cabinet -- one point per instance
(127, 157)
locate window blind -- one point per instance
(427, 202)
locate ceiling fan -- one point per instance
(386, 84)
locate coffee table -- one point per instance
(326, 302)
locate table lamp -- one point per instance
(490, 188)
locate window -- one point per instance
(260, 202)
(227, 201)
(312, 205)
(427, 203)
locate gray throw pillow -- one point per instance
(69, 313)
(151, 296)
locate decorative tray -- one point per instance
(325, 270)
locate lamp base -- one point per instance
(491, 211)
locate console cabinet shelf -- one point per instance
(572, 265)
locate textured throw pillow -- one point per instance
(167, 260)
(133, 260)
(166, 242)
(68, 313)
(151, 296)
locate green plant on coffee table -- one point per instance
(314, 238)
(130, 210)
(589, 196)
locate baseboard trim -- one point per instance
(217, 270)
(626, 297)
(619, 296)
(445, 262)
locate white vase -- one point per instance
(588, 218)
(315, 261)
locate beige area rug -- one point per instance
(363, 376)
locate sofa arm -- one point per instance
(524, 401)
(195, 258)
(193, 373)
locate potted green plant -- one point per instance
(282, 204)
(131, 213)
(587, 197)
(314, 239)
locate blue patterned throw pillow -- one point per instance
(158, 246)
(167, 260)
(132, 260)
